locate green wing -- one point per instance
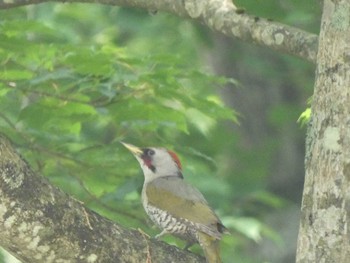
(182, 200)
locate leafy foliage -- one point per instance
(68, 103)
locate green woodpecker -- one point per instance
(174, 205)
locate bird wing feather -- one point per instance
(182, 200)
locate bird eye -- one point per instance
(150, 152)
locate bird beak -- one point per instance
(135, 150)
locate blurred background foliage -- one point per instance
(76, 79)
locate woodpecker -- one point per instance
(175, 206)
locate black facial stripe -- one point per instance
(146, 156)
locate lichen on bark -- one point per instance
(324, 227)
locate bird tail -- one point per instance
(211, 247)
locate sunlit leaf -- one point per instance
(16, 75)
(304, 117)
(250, 227)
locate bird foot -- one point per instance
(161, 234)
(187, 246)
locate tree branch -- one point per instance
(222, 17)
(41, 224)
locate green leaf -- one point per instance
(4, 90)
(304, 117)
(90, 62)
(58, 116)
(149, 116)
(201, 121)
(21, 27)
(268, 199)
(250, 227)
(14, 74)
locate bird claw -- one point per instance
(161, 234)
(187, 246)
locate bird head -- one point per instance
(156, 162)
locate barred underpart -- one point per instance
(177, 226)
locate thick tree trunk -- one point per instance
(41, 224)
(324, 234)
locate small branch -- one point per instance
(273, 35)
(220, 16)
(41, 224)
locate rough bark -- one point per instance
(40, 223)
(220, 16)
(324, 234)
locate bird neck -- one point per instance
(150, 177)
